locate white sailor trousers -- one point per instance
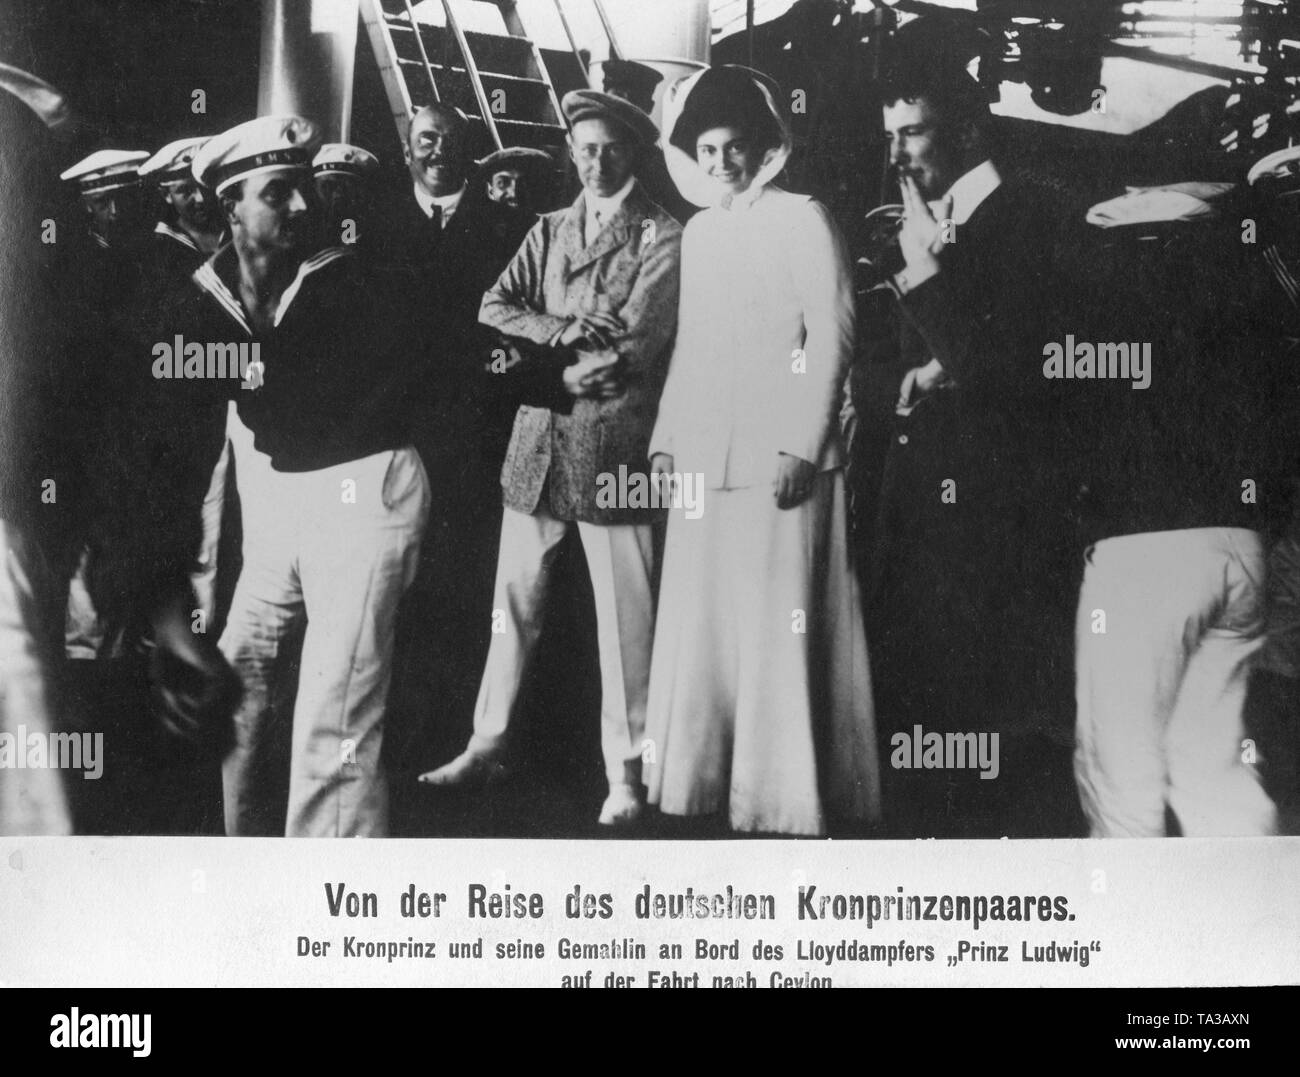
(619, 558)
(204, 578)
(338, 546)
(1168, 628)
(31, 801)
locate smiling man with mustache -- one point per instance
(435, 154)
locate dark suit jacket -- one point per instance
(964, 507)
(461, 429)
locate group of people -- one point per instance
(774, 471)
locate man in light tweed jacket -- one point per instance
(602, 277)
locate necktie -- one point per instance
(436, 218)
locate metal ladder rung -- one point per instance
(494, 76)
(505, 122)
(457, 78)
(411, 76)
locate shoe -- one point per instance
(473, 767)
(623, 807)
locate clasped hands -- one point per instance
(600, 372)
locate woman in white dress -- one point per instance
(760, 696)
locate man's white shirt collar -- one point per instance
(970, 190)
(968, 194)
(445, 202)
(606, 206)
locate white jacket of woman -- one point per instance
(764, 338)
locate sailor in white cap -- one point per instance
(191, 229)
(108, 181)
(99, 273)
(333, 524)
(344, 178)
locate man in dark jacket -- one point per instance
(455, 241)
(960, 503)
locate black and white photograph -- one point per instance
(660, 464)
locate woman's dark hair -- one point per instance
(726, 97)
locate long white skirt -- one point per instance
(760, 689)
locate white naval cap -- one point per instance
(260, 145)
(341, 157)
(1280, 165)
(171, 164)
(106, 170)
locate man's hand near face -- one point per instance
(922, 235)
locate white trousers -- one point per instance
(619, 559)
(1161, 690)
(337, 546)
(204, 578)
(31, 801)
(253, 473)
